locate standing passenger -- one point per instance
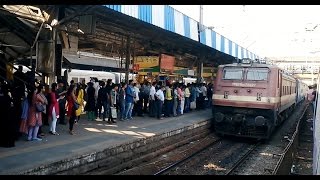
(80, 100)
(7, 129)
(204, 99)
(152, 110)
(71, 99)
(136, 108)
(108, 90)
(168, 101)
(310, 95)
(182, 98)
(103, 99)
(187, 98)
(146, 94)
(122, 99)
(113, 102)
(159, 101)
(35, 117)
(53, 112)
(129, 100)
(96, 87)
(90, 106)
(175, 99)
(179, 91)
(60, 94)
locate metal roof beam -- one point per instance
(80, 12)
(7, 13)
(18, 29)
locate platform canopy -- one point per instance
(153, 30)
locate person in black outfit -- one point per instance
(146, 93)
(60, 94)
(103, 100)
(113, 102)
(7, 126)
(3, 65)
(90, 106)
(109, 86)
(140, 103)
(18, 93)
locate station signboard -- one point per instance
(167, 63)
(136, 67)
(44, 57)
(147, 65)
(190, 72)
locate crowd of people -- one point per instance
(28, 106)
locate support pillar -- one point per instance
(121, 59)
(51, 75)
(58, 14)
(127, 60)
(58, 59)
(200, 70)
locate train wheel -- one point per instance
(264, 140)
(219, 134)
(269, 132)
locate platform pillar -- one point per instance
(127, 60)
(200, 70)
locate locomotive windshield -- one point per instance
(233, 73)
(257, 74)
(250, 74)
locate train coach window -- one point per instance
(257, 74)
(75, 80)
(82, 79)
(233, 73)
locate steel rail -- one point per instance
(162, 171)
(289, 146)
(242, 159)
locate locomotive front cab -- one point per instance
(243, 103)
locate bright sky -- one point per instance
(266, 30)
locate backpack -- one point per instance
(169, 94)
(48, 96)
(156, 97)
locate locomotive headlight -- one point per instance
(259, 121)
(219, 117)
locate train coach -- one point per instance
(251, 99)
(80, 75)
(302, 90)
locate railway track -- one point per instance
(242, 159)
(169, 158)
(224, 156)
(229, 171)
(168, 168)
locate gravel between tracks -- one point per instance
(264, 159)
(220, 157)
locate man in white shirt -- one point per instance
(159, 96)
(204, 90)
(152, 105)
(136, 108)
(136, 91)
(96, 87)
(187, 98)
(203, 98)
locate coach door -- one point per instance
(279, 89)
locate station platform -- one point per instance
(90, 139)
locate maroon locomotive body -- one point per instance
(251, 99)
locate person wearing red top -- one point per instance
(53, 114)
(71, 99)
(34, 117)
